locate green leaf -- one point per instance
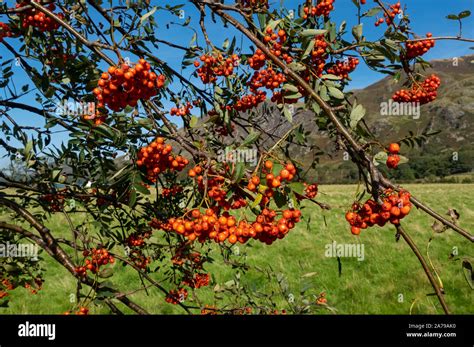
(372, 12)
(257, 200)
(133, 197)
(357, 114)
(288, 114)
(308, 49)
(226, 44)
(313, 32)
(28, 147)
(330, 77)
(294, 96)
(193, 39)
(323, 92)
(146, 15)
(403, 160)
(290, 88)
(468, 274)
(380, 158)
(336, 93)
(464, 14)
(250, 139)
(106, 272)
(273, 24)
(297, 187)
(297, 67)
(193, 122)
(452, 17)
(357, 31)
(280, 199)
(140, 188)
(239, 171)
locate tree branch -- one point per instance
(422, 260)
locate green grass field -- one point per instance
(376, 285)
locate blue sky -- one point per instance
(426, 16)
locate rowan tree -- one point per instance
(171, 200)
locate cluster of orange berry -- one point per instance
(54, 202)
(280, 97)
(98, 257)
(319, 54)
(157, 157)
(268, 229)
(321, 299)
(254, 3)
(182, 111)
(156, 223)
(106, 199)
(138, 239)
(423, 93)
(311, 190)
(272, 182)
(418, 48)
(250, 101)
(172, 191)
(343, 69)
(35, 286)
(176, 296)
(215, 66)
(258, 60)
(4, 31)
(209, 310)
(322, 8)
(223, 129)
(388, 18)
(267, 78)
(6, 286)
(98, 118)
(199, 280)
(276, 39)
(215, 189)
(271, 37)
(38, 19)
(125, 85)
(210, 226)
(182, 256)
(83, 311)
(395, 206)
(204, 226)
(139, 259)
(393, 157)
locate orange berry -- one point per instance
(255, 180)
(284, 174)
(355, 230)
(232, 239)
(394, 148)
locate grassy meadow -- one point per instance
(390, 279)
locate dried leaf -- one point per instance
(438, 227)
